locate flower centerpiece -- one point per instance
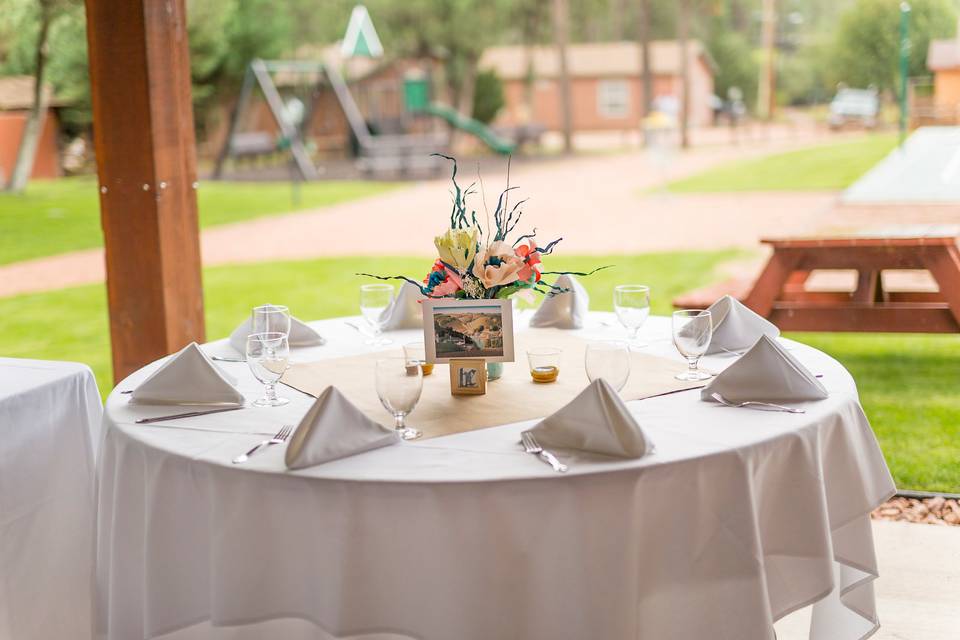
(483, 262)
(476, 262)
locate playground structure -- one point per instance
(308, 110)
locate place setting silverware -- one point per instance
(188, 414)
(771, 406)
(356, 327)
(530, 445)
(227, 359)
(282, 435)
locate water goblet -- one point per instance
(268, 356)
(416, 352)
(609, 360)
(399, 383)
(631, 302)
(271, 318)
(692, 331)
(374, 300)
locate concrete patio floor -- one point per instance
(918, 591)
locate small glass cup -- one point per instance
(609, 360)
(544, 364)
(416, 352)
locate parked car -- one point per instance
(854, 107)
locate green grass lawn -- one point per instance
(55, 216)
(910, 387)
(908, 383)
(828, 167)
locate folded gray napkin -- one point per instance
(565, 310)
(766, 373)
(597, 421)
(334, 428)
(736, 327)
(301, 335)
(405, 312)
(188, 377)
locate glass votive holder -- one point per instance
(544, 364)
(416, 352)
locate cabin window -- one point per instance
(613, 98)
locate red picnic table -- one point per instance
(780, 294)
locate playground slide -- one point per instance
(471, 126)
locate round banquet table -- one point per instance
(738, 518)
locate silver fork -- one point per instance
(530, 445)
(281, 436)
(776, 407)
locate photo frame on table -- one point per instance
(457, 329)
(468, 376)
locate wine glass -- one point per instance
(374, 300)
(609, 360)
(268, 356)
(692, 331)
(632, 305)
(399, 383)
(271, 318)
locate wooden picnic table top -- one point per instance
(900, 236)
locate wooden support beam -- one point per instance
(145, 149)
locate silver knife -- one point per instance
(189, 414)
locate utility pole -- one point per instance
(766, 94)
(904, 68)
(646, 80)
(561, 35)
(683, 37)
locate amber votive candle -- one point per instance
(544, 364)
(415, 352)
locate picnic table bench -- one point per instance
(780, 294)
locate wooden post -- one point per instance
(145, 149)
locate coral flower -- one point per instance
(504, 266)
(531, 258)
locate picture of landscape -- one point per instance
(468, 332)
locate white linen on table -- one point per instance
(737, 519)
(50, 416)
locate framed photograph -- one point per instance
(468, 376)
(468, 329)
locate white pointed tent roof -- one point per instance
(361, 38)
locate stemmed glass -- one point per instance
(692, 331)
(609, 360)
(268, 356)
(632, 305)
(374, 300)
(271, 318)
(399, 383)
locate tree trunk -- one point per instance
(27, 151)
(561, 27)
(646, 80)
(468, 85)
(766, 98)
(683, 33)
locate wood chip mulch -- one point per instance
(937, 510)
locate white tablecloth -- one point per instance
(737, 519)
(50, 416)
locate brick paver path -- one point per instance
(598, 203)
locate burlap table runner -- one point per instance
(512, 398)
